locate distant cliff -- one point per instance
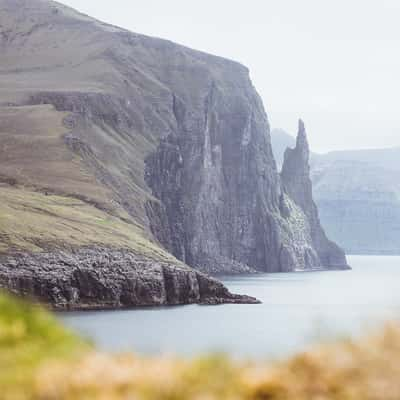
(280, 141)
(357, 194)
(122, 141)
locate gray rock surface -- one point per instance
(221, 197)
(100, 278)
(297, 184)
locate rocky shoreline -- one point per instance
(103, 278)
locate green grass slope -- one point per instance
(33, 221)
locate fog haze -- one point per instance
(334, 64)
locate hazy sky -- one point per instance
(334, 63)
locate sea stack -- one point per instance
(297, 184)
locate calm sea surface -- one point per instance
(298, 310)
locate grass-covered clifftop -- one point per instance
(41, 360)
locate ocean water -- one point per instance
(298, 310)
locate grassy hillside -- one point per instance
(33, 153)
(74, 145)
(34, 221)
(41, 360)
(49, 198)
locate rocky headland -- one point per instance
(101, 278)
(117, 140)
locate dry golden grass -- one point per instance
(364, 370)
(39, 360)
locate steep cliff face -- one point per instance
(217, 181)
(167, 149)
(220, 193)
(297, 184)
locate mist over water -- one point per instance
(298, 310)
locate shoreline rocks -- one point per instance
(101, 278)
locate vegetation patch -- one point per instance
(30, 336)
(41, 360)
(33, 221)
(349, 370)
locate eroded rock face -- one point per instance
(297, 184)
(224, 206)
(99, 278)
(217, 182)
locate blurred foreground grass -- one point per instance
(29, 336)
(41, 360)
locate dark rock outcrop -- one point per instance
(99, 278)
(217, 182)
(297, 184)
